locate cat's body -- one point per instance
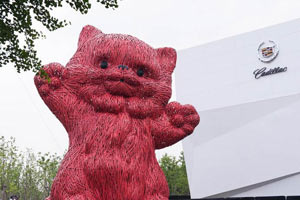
(123, 167)
(112, 98)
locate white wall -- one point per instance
(248, 137)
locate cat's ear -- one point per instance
(86, 33)
(167, 57)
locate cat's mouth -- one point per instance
(121, 85)
(124, 79)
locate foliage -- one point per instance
(17, 35)
(25, 174)
(175, 172)
(30, 176)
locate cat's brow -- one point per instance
(147, 64)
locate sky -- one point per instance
(160, 23)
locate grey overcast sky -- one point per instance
(175, 23)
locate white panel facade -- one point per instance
(248, 139)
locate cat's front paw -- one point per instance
(184, 117)
(50, 81)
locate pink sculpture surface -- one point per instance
(112, 98)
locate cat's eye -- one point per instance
(140, 72)
(104, 64)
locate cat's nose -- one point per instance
(122, 67)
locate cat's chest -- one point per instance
(109, 132)
(112, 127)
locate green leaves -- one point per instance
(109, 3)
(43, 74)
(25, 174)
(16, 27)
(31, 175)
(175, 172)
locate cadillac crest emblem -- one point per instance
(267, 51)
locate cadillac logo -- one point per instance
(267, 51)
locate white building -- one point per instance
(247, 91)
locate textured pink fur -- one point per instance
(115, 119)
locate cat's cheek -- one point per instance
(147, 90)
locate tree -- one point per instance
(175, 172)
(17, 35)
(10, 167)
(25, 174)
(30, 175)
(47, 168)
